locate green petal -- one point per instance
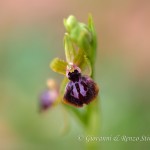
(59, 66)
(83, 63)
(69, 49)
(78, 60)
(86, 67)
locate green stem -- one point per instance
(93, 110)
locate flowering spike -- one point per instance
(80, 46)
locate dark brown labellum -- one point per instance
(80, 90)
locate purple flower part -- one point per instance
(47, 99)
(80, 90)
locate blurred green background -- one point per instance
(31, 34)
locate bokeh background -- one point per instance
(31, 33)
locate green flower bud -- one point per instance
(83, 36)
(70, 23)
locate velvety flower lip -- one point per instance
(80, 90)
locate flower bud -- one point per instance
(49, 96)
(70, 23)
(81, 34)
(51, 84)
(47, 99)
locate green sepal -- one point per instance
(78, 59)
(69, 49)
(63, 87)
(59, 66)
(86, 66)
